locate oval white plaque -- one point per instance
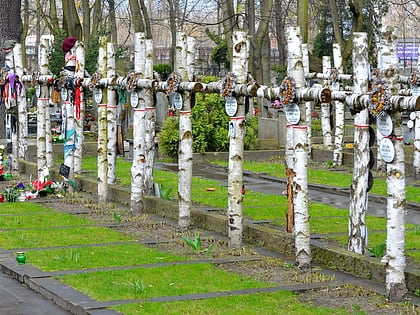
(231, 106)
(177, 99)
(384, 124)
(134, 99)
(97, 94)
(64, 94)
(292, 114)
(386, 150)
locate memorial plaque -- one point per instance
(231, 106)
(97, 94)
(64, 94)
(64, 170)
(177, 100)
(292, 114)
(386, 150)
(384, 124)
(134, 99)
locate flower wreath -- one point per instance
(415, 77)
(173, 82)
(228, 85)
(379, 98)
(287, 91)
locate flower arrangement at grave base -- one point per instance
(35, 189)
(56, 135)
(5, 165)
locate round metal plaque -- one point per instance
(231, 106)
(97, 94)
(134, 99)
(64, 94)
(384, 124)
(292, 114)
(413, 115)
(177, 99)
(410, 124)
(386, 150)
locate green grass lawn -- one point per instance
(281, 302)
(98, 256)
(325, 219)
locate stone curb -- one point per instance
(358, 265)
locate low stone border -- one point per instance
(333, 257)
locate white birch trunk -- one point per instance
(111, 117)
(302, 229)
(102, 129)
(416, 154)
(300, 136)
(22, 112)
(139, 132)
(358, 190)
(396, 213)
(185, 152)
(80, 116)
(42, 102)
(326, 110)
(305, 59)
(150, 123)
(48, 135)
(137, 168)
(236, 144)
(339, 111)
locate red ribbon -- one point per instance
(77, 101)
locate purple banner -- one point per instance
(408, 51)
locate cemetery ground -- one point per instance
(143, 264)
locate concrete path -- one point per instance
(17, 299)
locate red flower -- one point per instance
(38, 184)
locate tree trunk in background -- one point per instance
(72, 24)
(302, 19)
(113, 22)
(9, 15)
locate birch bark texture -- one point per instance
(326, 108)
(240, 60)
(102, 127)
(357, 240)
(150, 121)
(339, 111)
(300, 155)
(395, 178)
(111, 115)
(22, 111)
(42, 103)
(80, 105)
(139, 131)
(185, 153)
(308, 104)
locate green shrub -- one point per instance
(163, 69)
(209, 127)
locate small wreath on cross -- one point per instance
(415, 77)
(173, 82)
(131, 81)
(228, 85)
(380, 96)
(287, 91)
(334, 75)
(94, 80)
